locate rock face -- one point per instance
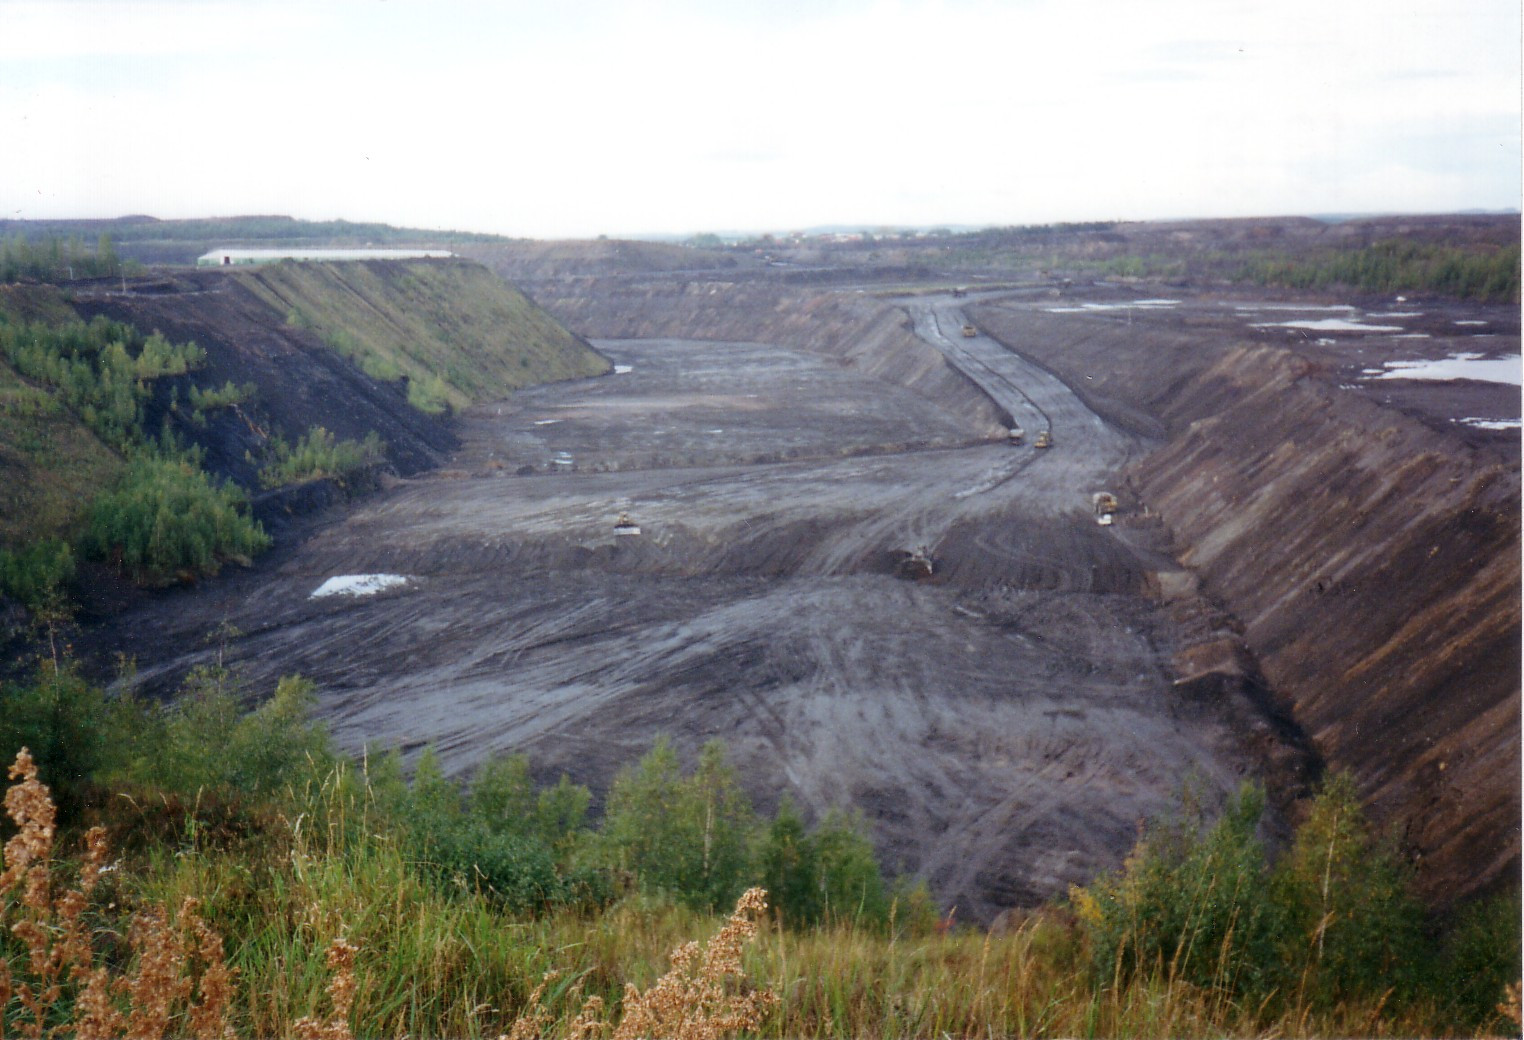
(1371, 557)
(1376, 572)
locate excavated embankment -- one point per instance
(1372, 559)
(863, 333)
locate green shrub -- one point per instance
(688, 837)
(430, 395)
(492, 843)
(65, 722)
(1480, 956)
(319, 455)
(502, 797)
(166, 521)
(208, 400)
(36, 574)
(1191, 903)
(205, 741)
(830, 875)
(1352, 924)
(101, 370)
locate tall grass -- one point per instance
(317, 923)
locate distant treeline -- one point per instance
(1490, 275)
(275, 229)
(54, 259)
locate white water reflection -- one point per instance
(1458, 366)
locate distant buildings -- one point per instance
(240, 257)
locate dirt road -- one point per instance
(1004, 725)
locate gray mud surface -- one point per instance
(1004, 725)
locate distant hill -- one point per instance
(150, 240)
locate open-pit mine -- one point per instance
(1006, 589)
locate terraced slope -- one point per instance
(1370, 551)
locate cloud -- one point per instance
(64, 29)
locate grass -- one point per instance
(310, 921)
(458, 333)
(50, 463)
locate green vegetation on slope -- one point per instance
(454, 330)
(83, 470)
(320, 455)
(166, 520)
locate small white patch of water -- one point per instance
(1087, 308)
(547, 422)
(1308, 308)
(1413, 335)
(1471, 323)
(620, 370)
(1326, 325)
(1493, 424)
(1458, 366)
(358, 585)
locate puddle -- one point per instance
(1413, 335)
(1298, 307)
(1086, 308)
(547, 422)
(1327, 325)
(1395, 314)
(357, 585)
(620, 370)
(1456, 366)
(1471, 323)
(1493, 424)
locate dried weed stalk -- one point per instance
(341, 994)
(60, 989)
(704, 996)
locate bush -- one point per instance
(66, 723)
(1352, 923)
(101, 370)
(319, 455)
(829, 875)
(1191, 903)
(36, 574)
(490, 844)
(166, 521)
(205, 742)
(688, 837)
(1480, 956)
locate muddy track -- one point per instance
(1004, 726)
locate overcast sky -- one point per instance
(562, 119)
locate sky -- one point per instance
(562, 118)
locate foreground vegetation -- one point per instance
(278, 888)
